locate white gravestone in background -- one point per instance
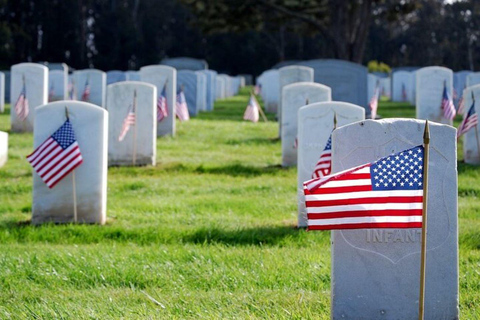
(376, 272)
(295, 96)
(141, 138)
(132, 75)
(371, 85)
(98, 84)
(220, 88)
(270, 90)
(473, 79)
(315, 124)
(224, 79)
(158, 75)
(202, 91)
(36, 81)
(57, 85)
(90, 124)
(460, 82)
(400, 79)
(190, 82)
(470, 144)
(2, 92)
(386, 87)
(429, 92)
(3, 148)
(115, 76)
(211, 87)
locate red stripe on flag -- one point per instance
(392, 225)
(329, 203)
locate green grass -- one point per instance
(208, 233)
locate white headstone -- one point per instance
(376, 272)
(295, 96)
(271, 89)
(430, 83)
(473, 79)
(202, 91)
(158, 75)
(90, 124)
(132, 75)
(403, 86)
(211, 87)
(3, 148)
(371, 85)
(315, 124)
(470, 144)
(190, 83)
(220, 88)
(36, 81)
(225, 81)
(386, 87)
(97, 80)
(57, 85)
(139, 145)
(460, 82)
(2, 92)
(115, 76)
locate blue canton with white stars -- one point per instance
(399, 171)
(329, 144)
(64, 135)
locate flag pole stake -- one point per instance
(135, 128)
(423, 260)
(74, 191)
(260, 108)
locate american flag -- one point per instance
(181, 107)
(57, 156)
(252, 111)
(373, 104)
(404, 92)
(162, 108)
(461, 106)
(21, 106)
(324, 164)
(129, 119)
(387, 193)
(71, 91)
(447, 105)
(86, 92)
(257, 89)
(468, 122)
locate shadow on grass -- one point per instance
(236, 170)
(253, 141)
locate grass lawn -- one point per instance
(206, 234)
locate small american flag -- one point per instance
(181, 107)
(324, 164)
(57, 156)
(461, 106)
(129, 119)
(71, 91)
(387, 193)
(373, 104)
(86, 92)
(468, 122)
(252, 111)
(162, 108)
(257, 89)
(21, 106)
(447, 105)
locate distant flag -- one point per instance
(86, 91)
(21, 106)
(324, 164)
(455, 94)
(404, 92)
(381, 194)
(129, 119)
(373, 104)
(57, 156)
(162, 108)
(447, 105)
(51, 93)
(468, 122)
(71, 91)
(181, 107)
(252, 111)
(461, 106)
(257, 89)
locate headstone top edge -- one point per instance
(331, 103)
(424, 69)
(383, 122)
(90, 71)
(137, 83)
(29, 64)
(306, 84)
(68, 103)
(157, 66)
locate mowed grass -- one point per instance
(208, 233)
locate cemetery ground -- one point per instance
(208, 233)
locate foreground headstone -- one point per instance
(115, 76)
(470, 144)
(429, 92)
(3, 148)
(97, 82)
(2, 92)
(90, 124)
(295, 96)
(184, 63)
(159, 75)
(36, 81)
(57, 85)
(315, 124)
(139, 145)
(190, 82)
(376, 272)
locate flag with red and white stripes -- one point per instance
(162, 108)
(127, 122)
(252, 111)
(461, 106)
(57, 156)
(181, 107)
(373, 104)
(324, 164)
(86, 92)
(468, 122)
(387, 193)
(447, 105)
(21, 106)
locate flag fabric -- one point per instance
(86, 92)
(461, 106)
(447, 105)
(404, 92)
(21, 106)
(57, 156)
(373, 104)
(468, 122)
(181, 107)
(127, 122)
(257, 89)
(71, 91)
(324, 164)
(387, 193)
(162, 108)
(252, 111)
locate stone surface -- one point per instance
(295, 96)
(460, 82)
(248, 79)
(270, 89)
(473, 79)
(211, 87)
(56, 66)
(184, 63)
(315, 123)
(3, 148)
(158, 75)
(90, 124)
(375, 272)
(2, 92)
(132, 75)
(202, 91)
(115, 76)
(226, 83)
(98, 85)
(386, 87)
(57, 83)
(220, 88)
(189, 81)
(470, 145)
(36, 81)
(348, 80)
(408, 79)
(7, 85)
(140, 141)
(429, 91)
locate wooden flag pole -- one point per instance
(135, 127)
(260, 108)
(423, 260)
(74, 191)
